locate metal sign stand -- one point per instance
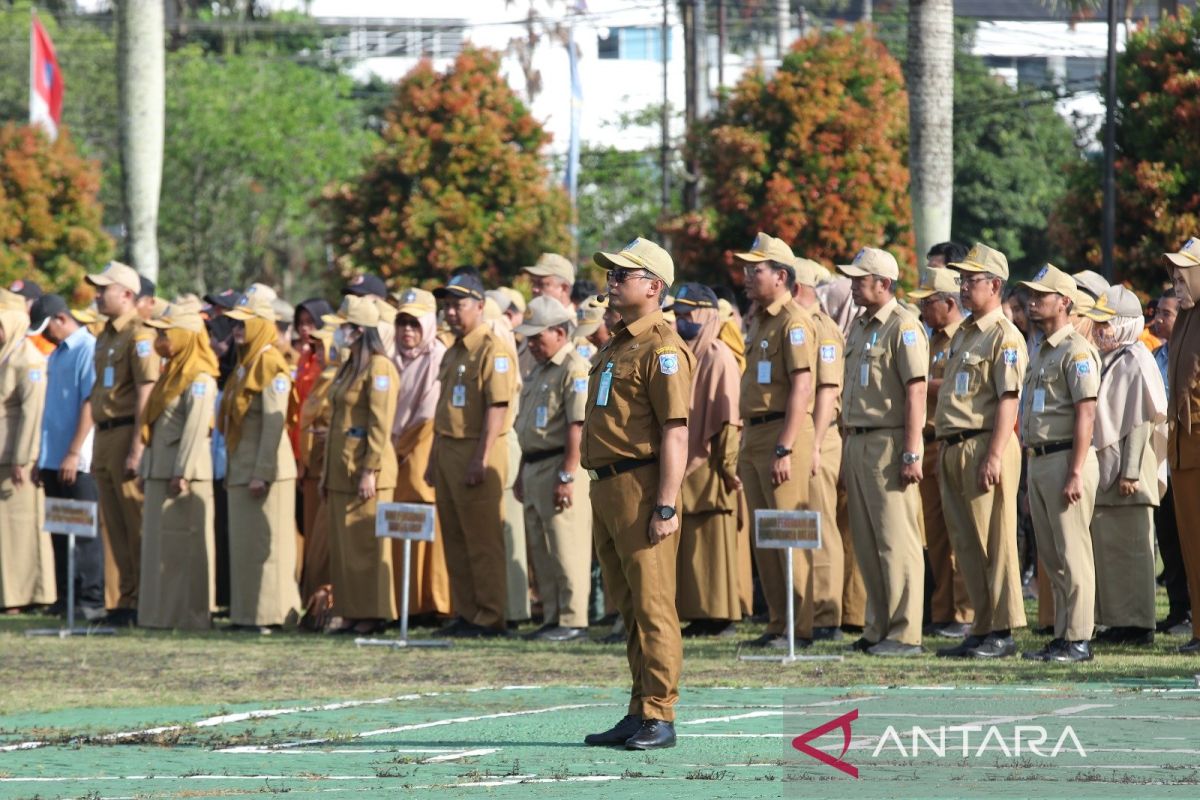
(403, 642)
(813, 517)
(71, 532)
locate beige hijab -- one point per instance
(715, 388)
(419, 385)
(837, 302)
(1131, 393)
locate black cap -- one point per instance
(366, 284)
(27, 289)
(695, 295)
(45, 307)
(463, 284)
(226, 299)
(147, 289)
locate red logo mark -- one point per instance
(801, 743)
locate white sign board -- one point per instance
(784, 529)
(67, 517)
(404, 521)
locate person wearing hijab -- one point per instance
(261, 474)
(178, 575)
(305, 322)
(360, 471)
(314, 427)
(419, 359)
(708, 589)
(1130, 437)
(26, 553)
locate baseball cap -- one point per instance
(1116, 301)
(694, 295)
(872, 261)
(27, 289)
(464, 284)
(254, 304)
(283, 309)
(43, 309)
(936, 281)
(146, 287)
(590, 316)
(117, 273)
(768, 248)
(981, 258)
(545, 312)
(366, 284)
(262, 290)
(1052, 280)
(224, 299)
(184, 314)
(355, 310)
(1091, 282)
(502, 299)
(1188, 255)
(809, 272)
(640, 254)
(515, 298)
(415, 302)
(553, 264)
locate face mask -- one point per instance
(688, 330)
(341, 339)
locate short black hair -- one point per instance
(582, 289)
(788, 270)
(147, 289)
(952, 252)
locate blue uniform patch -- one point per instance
(1010, 356)
(1083, 367)
(796, 335)
(581, 384)
(199, 389)
(279, 385)
(35, 376)
(501, 363)
(143, 348)
(668, 363)
(382, 382)
(909, 338)
(1041, 274)
(828, 353)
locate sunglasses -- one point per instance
(620, 274)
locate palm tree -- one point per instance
(141, 81)
(931, 118)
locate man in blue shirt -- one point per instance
(65, 459)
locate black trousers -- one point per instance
(1173, 573)
(89, 553)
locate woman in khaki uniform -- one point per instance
(314, 427)
(178, 575)
(26, 555)
(261, 476)
(360, 471)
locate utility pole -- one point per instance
(781, 28)
(868, 10)
(666, 113)
(720, 53)
(1110, 146)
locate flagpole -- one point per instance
(32, 60)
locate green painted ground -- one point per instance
(1140, 739)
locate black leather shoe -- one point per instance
(861, 645)
(1170, 622)
(1191, 648)
(780, 642)
(1072, 652)
(962, 649)
(893, 649)
(827, 634)
(617, 734)
(1044, 654)
(994, 647)
(560, 634)
(614, 638)
(454, 628)
(763, 641)
(540, 632)
(1139, 637)
(949, 630)
(654, 735)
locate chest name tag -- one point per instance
(764, 372)
(110, 377)
(605, 387)
(864, 374)
(962, 383)
(541, 416)
(1039, 401)
(458, 396)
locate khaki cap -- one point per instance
(515, 298)
(324, 337)
(120, 274)
(553, 264)
(1052, 280)
(982, 258)
(590, 316)
(640, 254)
(250, 305)
(387, 313)
(1116, 301)
(768, 248)
(264, 290)
(415, 302)
(504, 300)
(809, 272)
(184, 314)
(936, 281)
(1188, 255)
(872, 261)
(1091, 282)
(545, 312)
(355, 310)
(283, 309)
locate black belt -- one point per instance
(959, 438)
(774, 415)
(1047, 449)
(929, 436)
(116, 422)
(857, 431)
(356, 433)
(624, 465)
(541, 455)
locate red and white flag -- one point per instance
(45, 82)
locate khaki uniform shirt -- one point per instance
(181, 438)
(264, 451)
(478, 371)
(884, 353)
(782, 340)
(831, 357)
(314, 425)
(1183, 392)
(22, 399)
(125, 359)
(939, 354)
(362, 409)
(649, 384)
(987, 360)
(554, 396)
(1064, 371)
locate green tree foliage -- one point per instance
(459, 179)
(814, 154)
(49, 217)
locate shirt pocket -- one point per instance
(969, 378)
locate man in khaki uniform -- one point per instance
(777, 445)
(126, 369)
(470, 459)
(1058, 410)
(590, 331)
(552, 276)
(883, 412)
(549, 425)
(980, 456)
(949, 606)
(635, 440)
(828, 563)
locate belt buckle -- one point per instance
(593, 474)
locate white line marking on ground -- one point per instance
(456, 720)
(483, 751)
(732, 717)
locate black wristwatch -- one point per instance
(781, 451)
(665, 512)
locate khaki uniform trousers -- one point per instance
(473, 530)
(1123, 545)
(315, 573)
(561, 543)
(178, 587)
(121, 507)
(829, 562)
(949, 601)
(641, 580)
(708, 585)
(360, 563)
(1185, 485)
(754, 468)
(1064, 541)
(983, 531)
(887, 537)
(853, 607)
(26, 552)
(515, 546)
(745, 556)
(262, 556)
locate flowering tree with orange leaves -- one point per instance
(813, 154)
